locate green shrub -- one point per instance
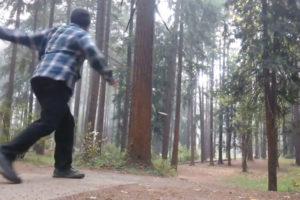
(184, 154)
(111, 157)
(163, 168)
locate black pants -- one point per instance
(55, 116)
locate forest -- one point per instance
(199, 82)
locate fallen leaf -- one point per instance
(123, 191)
(196, 189)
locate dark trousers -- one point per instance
(55, 116)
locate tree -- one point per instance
(296, 128)
(202, 124)
(10, 91)
(124, 133)
(95, 77)
(139, 143)
(174, 161)
(211, 135)
(170, 83)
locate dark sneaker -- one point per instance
(7, 170)
(70, 173)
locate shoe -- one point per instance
(70, 173)
(7, 170)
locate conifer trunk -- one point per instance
(171, 85)
(10, 92)
(139, 144)
(124, 133)
(102, 95)
(174, 161)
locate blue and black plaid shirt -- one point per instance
(62, 51)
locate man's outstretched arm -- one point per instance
(96, 58)
(31, 40)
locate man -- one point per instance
(62, 51)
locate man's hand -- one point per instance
(107, 74)
(114, 84)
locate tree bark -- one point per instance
(284, 138)
(250, 148)
(10, 91)
(95, 77)
(124, 133)
(52, 11)
(263, 142)
(174, 161)
(245, 142)
(229, 134)
(211, 158)
(139, 144)
(202, 129)
(296, 128)
(69, 8)
(256, 139)
(171, 85)
(270, 105)
(33, 60)
(102, 95)
(193, 126)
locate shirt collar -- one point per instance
(76, 25)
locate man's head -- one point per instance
(81, 17)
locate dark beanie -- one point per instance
(81, 17)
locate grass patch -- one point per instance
(288, 179)
(112, 158)
(163, 168)
(35, 159)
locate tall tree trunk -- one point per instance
(10, 91)
(229, 135)
(245, 142)
(284, 138)
(250, 148)
(95, 77)
(211, 158)
(139, 144)
(220, 160)
(270, 104)
(171, 85)
(234, 145)
(33, 60)
(52, 12)
(203, 142)
(174, 161)
(39, 147)
(189, 124)
(263, 142)
(193, 126)
(69, 8)
(102, 97)
(256, 139)
(296, 128)
(124, 133)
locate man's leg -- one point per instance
(53, 97)
(64, 139)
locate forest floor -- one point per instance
(193, 182)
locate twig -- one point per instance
(156, 8)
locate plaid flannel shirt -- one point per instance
(62, 51)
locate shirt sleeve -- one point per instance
(31, 40)
(95, 57)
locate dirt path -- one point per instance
(198, 182)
